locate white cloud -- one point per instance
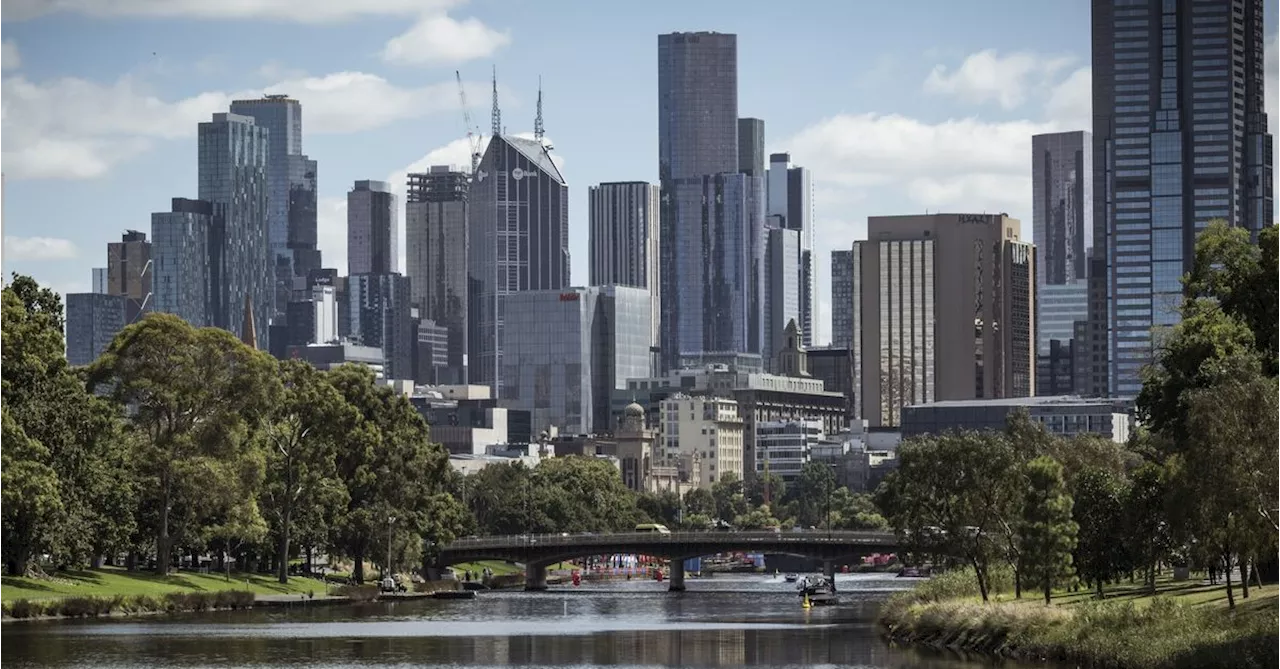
(438, 39)
(39, 248)
(52, 137)
(302, 11)
(9, 57)
(331, 231)
(986, 76)
(1070, 103)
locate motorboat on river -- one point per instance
(791, 578)
(816, 590)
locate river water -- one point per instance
(726, 621)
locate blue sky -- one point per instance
(895, 107)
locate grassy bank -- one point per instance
(114, 582)
(1183, 625)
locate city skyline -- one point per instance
(941, 99)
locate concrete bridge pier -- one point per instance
(535, 577)
(829, 570)
(676, 581)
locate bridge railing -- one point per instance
(806, 537)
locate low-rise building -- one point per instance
(1065, 415)
(783, 447)
(708, 427)
(327, 356)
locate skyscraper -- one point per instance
(790, 195)
(100, 280)
(781, 289)
(1062, 220)
(93, 320)
(751, 146)
(181, 259)
(1179, 138)
(697, 137)
(233, 179)
(624, 240)
(129, 272)
(291, 216)
(943, 309)
(373, 244)
(518, 240)
(380, 313)
(841, 298)
(436, 236)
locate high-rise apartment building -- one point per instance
(790, 207)
(624, 240)
(182, 261)
(373, 244)
(232, 177)
(751, 146)
(519, 240)
(567, 351)
(1062, 221)
(944, 309)
(436, 237)
(291, 186)
(697, 138)
(93, 320)
(1179, 139)
(129, 272)
(841, 298)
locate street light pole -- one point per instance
(387, 566)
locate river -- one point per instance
(726, 621)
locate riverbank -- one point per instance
(1186, 624)
(117, 582)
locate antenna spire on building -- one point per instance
(496, 115)
(248, 333)
(538, 130)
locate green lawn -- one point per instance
(111, 581)
(1192, 591)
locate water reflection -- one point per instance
(744, 621)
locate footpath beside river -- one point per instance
(1186, 624)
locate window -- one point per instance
(1167, 244)
(1167, 180)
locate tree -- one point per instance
(1146, 524)
(499, 496)
(1100, 497)
(1048, 532)
(855, 511)
(701, 502)
(302, 435)
(811, 493)
(950, 496)
(584, 494)
(729, 498)
(29, 487)
(196, 398)
(660, 507)
(759, 518)
(241, 525)
(766, 488)
(1240, 276)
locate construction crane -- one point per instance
(473, 137)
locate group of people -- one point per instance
(484, 575)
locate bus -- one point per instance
(655, 528)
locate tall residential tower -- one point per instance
(437, 239)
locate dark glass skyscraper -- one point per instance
(181, 261)
(1179, 139)
(436, 237)
(232, 177)
(697, 138)
(518, 240)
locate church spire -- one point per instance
(248, 333)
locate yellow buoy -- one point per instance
(805, 604)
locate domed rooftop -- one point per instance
(633, 410)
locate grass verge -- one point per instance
(1182, 625)
(115, 582)
(173, 602)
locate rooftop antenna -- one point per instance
(495, 118)
(538, 130)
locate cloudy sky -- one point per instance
(895, 107)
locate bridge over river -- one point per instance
(538, 551)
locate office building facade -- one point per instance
(182, 261)
(373, 245)
(751, 147)
(944, 309)
(567, 351)
(624, 240)
(1179, 139)
(519, 240)
(706, 428)
(841, 298)
(697, 138)
(232, 178)
(790, 207)
(782, 301)
(99, 280)
(380, 317)
(436, 237)
(303, 249)
(93, 320)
